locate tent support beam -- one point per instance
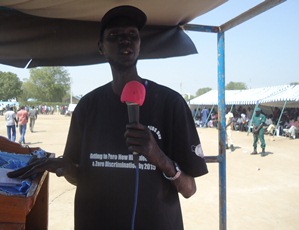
(247, 15)
(277, 125)
(251, 13)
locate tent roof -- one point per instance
(268, 96)
(253, 96)
(166, 12)
(211, 97)
(66, 32)
(208, 98)
(290, 95)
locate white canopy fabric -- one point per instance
(208, 98)
(267, 96)
(211, 97)
(254, 96)
(288, 98)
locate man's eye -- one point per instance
(129, 35)
(133, 33)
(112, 35)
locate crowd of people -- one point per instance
(20, 117)
(277, 122)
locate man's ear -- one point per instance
(100, 48)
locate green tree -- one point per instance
(294, 83)
(49, 84)
(235, 86)
(202, 91)
(10, 86)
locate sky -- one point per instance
(261, 52)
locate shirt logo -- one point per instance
(155, 130)
(197, 150)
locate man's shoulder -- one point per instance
(95, 96)
(22, 112)
(98, 90)
(161, 91)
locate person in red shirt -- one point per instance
(22, 117)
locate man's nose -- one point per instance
(124, 38)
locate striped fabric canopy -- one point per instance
(275, 96)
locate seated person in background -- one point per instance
(215, 120)
(269, 126)
(238, 123)
(211, 123)
(291, 129)
(283, 124)
(269, 120)
(271, 129)
(243, 122)
(234, 123)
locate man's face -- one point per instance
(121, 43)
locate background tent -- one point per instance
(265, 95)
(211, 97)
(253, 96)
(288, 98)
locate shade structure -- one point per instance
(288, 98)
(66, 32)
(275, 96)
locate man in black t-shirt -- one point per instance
(98, 155)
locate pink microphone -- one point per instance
(133, 94)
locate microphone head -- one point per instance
(133, 92)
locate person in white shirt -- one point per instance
(11, 123)
(228, 120)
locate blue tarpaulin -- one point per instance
(16, 161)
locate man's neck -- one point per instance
(122, 77)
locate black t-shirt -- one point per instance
(105, 191)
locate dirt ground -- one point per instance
(262, 192)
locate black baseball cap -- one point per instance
(134, 14)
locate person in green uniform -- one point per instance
(258, 122)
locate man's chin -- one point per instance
(124, 64)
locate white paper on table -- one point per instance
(6, 181)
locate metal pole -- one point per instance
(221, 131)
(258, 9)
(277, 124)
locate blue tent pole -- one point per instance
(196, 112)
(277, 124)
(221, 131)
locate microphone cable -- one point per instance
(136, 162)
